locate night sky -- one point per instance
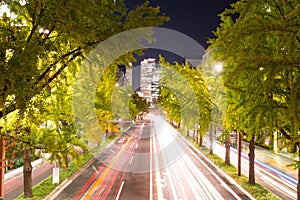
(195, 18)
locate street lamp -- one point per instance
(218, 68)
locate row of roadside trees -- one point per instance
(42, 44)
(258, 43)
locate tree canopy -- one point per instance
(259, 42)
(42, 45)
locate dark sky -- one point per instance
(195, 18)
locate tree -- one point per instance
(48, 37)
(212, 73)
(185, 96)
(259, 42)
(137, 104)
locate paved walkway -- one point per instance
(15, 172)
(276, 162)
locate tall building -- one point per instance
(149, 79)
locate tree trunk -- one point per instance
(239, 153)
(67, 162)
(2, 165)
(27, 173)
(298, 185)
(227, 149)
(196, 134)
(201, 140)
(211, 139)
(251, 161)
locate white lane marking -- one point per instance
(191, 182)
(95, 169)
(157, 174)
(168, 174)
(131, 160)
(120, 190)
(180, 182)
(216, 176)
(151, 180)
(112, 150)
(136, 146)
(207, 186)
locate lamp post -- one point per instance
(2, 165)
(239, 152)
(217, 68)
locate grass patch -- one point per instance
(44, 188)
(256, 190)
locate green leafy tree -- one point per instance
(185, 97)
(137, 105)
(259, 43)
(212, 72)
(40, 43)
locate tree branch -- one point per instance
(285, 134)
(42, 76)
(13, 107)
(49, 80)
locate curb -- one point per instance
(229, 183)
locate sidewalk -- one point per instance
(16, 172)
(276, 162)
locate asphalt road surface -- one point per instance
(151, 161)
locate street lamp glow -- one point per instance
(41, 30)
(218, 68)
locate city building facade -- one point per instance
(149, 79)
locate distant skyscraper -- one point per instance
(149, 79)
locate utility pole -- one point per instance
(239, 152)
(2, 165)
(211, 139)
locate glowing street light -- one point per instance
(218, 68)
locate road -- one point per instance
(151, 161)
(13, 182)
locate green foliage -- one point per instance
(185, 96)
(260, 51)
(137, 105)
(41, 50)
(18, 162)
(44, 188)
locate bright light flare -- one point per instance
(218, 68)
